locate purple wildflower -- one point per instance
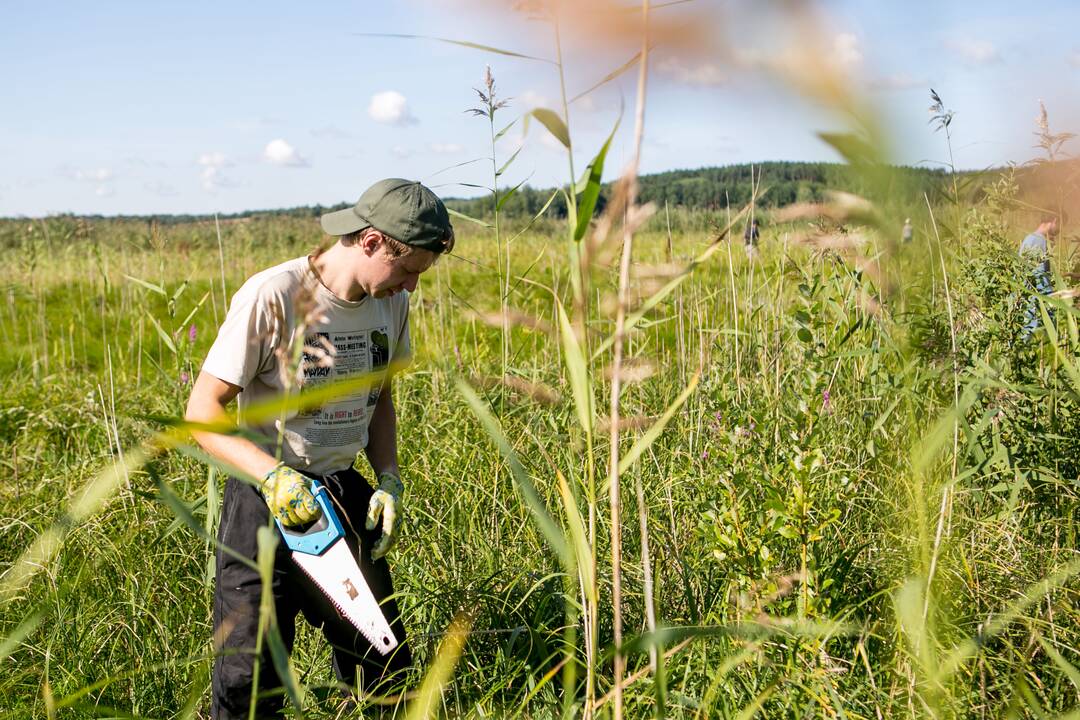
(184, 377)
(825, 401)
(191, 334)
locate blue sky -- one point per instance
(136, 107)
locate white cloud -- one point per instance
(1074, 58)
(104, 191)
(280, 152)
(702, 74)
(213, 176)
(531, 99)
(445, 148)
(974, 52)
(846, 50)
(390, 107)
(897, 81)
(214, 159)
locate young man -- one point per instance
(289, 329)
(1036, 246)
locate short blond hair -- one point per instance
(394, 248)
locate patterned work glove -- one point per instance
(385, 502)
(288, 495)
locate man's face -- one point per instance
(391, 274)
(1052, 229)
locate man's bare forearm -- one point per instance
(381, 450)
(207, 405)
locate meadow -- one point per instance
(844, 517)
(649, 473)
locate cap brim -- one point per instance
(342, 222)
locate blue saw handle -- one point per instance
(323, 533)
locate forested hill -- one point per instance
(713, 188)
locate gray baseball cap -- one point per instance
(402, 209)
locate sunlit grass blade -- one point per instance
(21, 631)
(1032, 595)
(635, 317)
(577, 371)
(649, 437)
(87, 502)
(429, 696)
(462, 43)
(548, 528)
(609, 77)
(469, 218)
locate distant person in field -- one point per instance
(908, 232)
(750, 237)
(348, 309)
(1036, 247)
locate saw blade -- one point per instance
(338, 576)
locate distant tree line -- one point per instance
(704, 189)
(714, 188)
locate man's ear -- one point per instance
(370, 241)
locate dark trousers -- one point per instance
(238, 590)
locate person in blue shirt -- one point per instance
(1036, 247)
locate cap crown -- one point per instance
(402, 209)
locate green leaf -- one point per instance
(194, 310)
(179, 291)
(579, 538)
(592, 187)
(506, 129)
(149, 286)
(610, 76)
(164, 335)
(554, 124)
(506, 164)
(854, 149)
(537, 215)
(463, 216)
(508, 194)
(645, 441)
(577, 370)
(462, 43)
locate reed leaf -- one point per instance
(554, 124)
(548, 528)
(645, 441)
(592, 188)
(577, 371)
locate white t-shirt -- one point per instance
(254, 349)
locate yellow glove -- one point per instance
(288, 495)
(386, 501)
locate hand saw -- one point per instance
(322, 553)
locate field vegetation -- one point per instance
(649, 473)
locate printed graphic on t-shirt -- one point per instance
(334, 356)
(380, 357)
